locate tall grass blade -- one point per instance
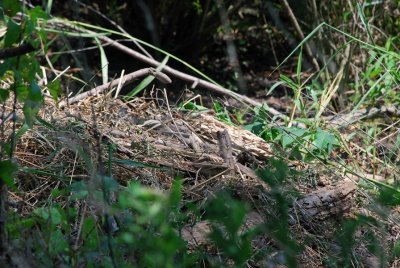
(145, 82)
(364, 22)
(103, 60)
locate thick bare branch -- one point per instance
(126, 79)
(196, 81)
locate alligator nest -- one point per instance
(153, 143)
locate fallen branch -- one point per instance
(345, 120)
(195, 81)
(16, 51)
(126, 79)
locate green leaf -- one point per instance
(291, 135)
(21, 131)
(325, 140)
(79, 190)
(48, 6)
(364, 22)
(54, 89)
(4, 95)
(11, 7)
(299, 66)
(44, 40)
(22, 92)
(32, 104)
(29, 66)
(389, 196)
(277, 84)
(109, 183)
(51, 213)
(145, 82)
(142, 85)
(103, 60)
(175, 195)
(221, 113)
(45, 123)
(396, 250)
(13, 34)
(37, 13)
(89, 233)
(58, 243)
(7, 170)
(192, 106)
(288, 82)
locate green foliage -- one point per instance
(7, 171)
(149, 235)
(381, 76)
(221, 113)
(192, 106)
(307, 144)
(21, 70)
(278, 227)
(227, 216)
(146, 226)
(347, 240)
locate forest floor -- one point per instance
(154, 143)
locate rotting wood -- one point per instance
(344, 120)
(197, 235)
(242, 140)
(325, 202)
(225, 147)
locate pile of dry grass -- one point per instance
(153, 143)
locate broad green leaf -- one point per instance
(4, 95)
(11, 7)
(29, 67)
(109, 183)
(22, 92)
(7, 170)
(325, 140)
(79, 190)
(54, 89)
(389, 196)
(51, 213)
(13, 34)
(175, 195)
(32, 104)
(37, 13)
(58, 244)
(89, 231)
(291, 135)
